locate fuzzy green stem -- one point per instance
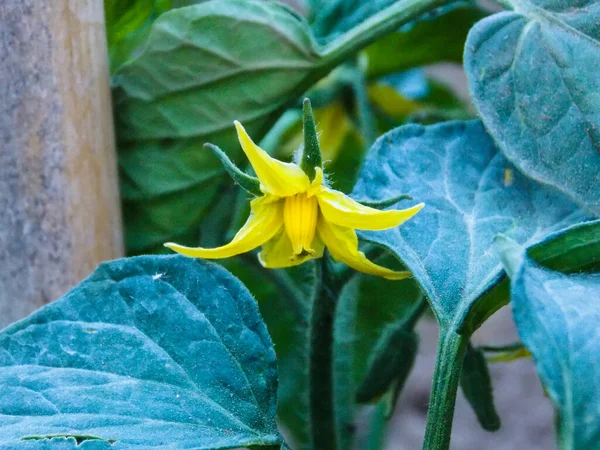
(446, 378)
(376, 26)
(321, 400)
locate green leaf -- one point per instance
(391, 359)
(147, 351)
(249, 183)
(187, 81)
(557, 318)
(310, 158)
(128, 24)
(471, 193)
(574, 249)
(427, 41)
(534, 78)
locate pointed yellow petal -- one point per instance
(276, 177)
(343, 245)
(278, 252)
(341, 210)
(266, 219)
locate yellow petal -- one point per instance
(276, 177)
(341, 210)
(265, 221)
(278, 252)
(343, 245)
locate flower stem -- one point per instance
(446, 377)
(321, 393)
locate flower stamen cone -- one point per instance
(300, 214)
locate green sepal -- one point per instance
(381, 204)
(392, 359)
(390, 364)
(476, 384)
(246, 182)
(310, 158)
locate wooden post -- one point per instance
(59, 201)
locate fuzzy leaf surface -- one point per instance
(148, 352)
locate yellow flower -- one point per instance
(295, 219)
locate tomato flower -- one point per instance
(294, 218)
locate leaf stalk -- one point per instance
(446, 378)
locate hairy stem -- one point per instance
(321, 400)
(446, 378)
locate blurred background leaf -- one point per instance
(128, 25)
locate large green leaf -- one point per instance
(186, 82)
(471, 194)
(149, 352)
(128, 23)
(557, 318)
(534, 78)
(424, 42)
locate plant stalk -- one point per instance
(376, 26)
(446, 378)
(321, 393)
